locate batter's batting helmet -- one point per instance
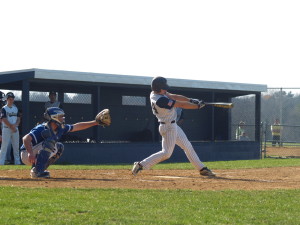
(159, 83)
(53, 113)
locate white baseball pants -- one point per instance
(9, 136)
(172, 134)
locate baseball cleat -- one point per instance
(34, 174)
(207, 172)
(136, 168)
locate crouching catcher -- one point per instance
(41, 146)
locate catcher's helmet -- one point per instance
(53, 113)
(159, 83)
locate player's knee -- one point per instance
(166, 155)
(60, 148)
(187, 146)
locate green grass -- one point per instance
(122, 206)
(240, 164)
(125, 206)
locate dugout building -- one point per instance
(133, 134)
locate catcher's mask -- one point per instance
(159, 83)
(52, 114)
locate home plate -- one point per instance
(170, 177)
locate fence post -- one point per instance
(25, 107)
(257, 116)
(265, 139)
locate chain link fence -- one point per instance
(281, 139)
(243, 118)
(281, 104)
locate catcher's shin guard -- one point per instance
(41, 161)
(53, 159)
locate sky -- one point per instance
(255, 41)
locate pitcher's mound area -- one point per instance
(241, 179)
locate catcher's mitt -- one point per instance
(103, 118)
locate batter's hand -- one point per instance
(201, 104)
(195, 101)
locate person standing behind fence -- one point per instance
(276, 130)
(240, 130)
(53, 102)
(10, 122)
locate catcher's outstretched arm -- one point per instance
(83, 125)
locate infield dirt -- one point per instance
(241, 179)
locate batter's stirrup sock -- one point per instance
(41, 161)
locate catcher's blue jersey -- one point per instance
(37, 134)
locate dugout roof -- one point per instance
(13, 79)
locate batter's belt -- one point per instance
(173, 121)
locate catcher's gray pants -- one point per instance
(8, 136)
(172, 134)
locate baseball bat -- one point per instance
(225, 105)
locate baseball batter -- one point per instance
(10, 133)
(163, 107)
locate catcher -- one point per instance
(40, 146)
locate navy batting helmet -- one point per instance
(159, 83)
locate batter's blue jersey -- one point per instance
(37, 137)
